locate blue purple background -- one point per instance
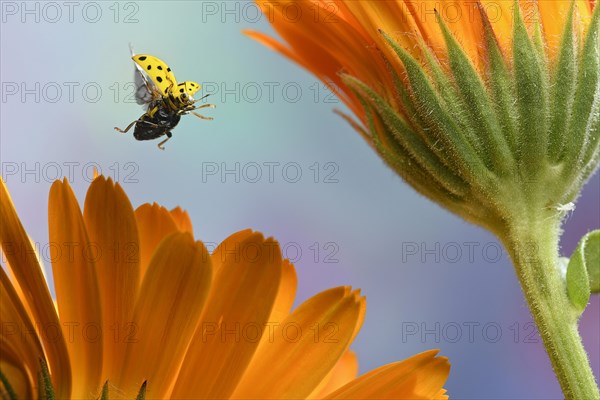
(358, 212)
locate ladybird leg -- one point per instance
(190, 110)
(152, 124)
(160, 145)
(202, 116)
(128, 126)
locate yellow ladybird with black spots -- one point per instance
(165, 100)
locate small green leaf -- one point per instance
(591, 253)
(583, 271)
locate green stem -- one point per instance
(533, 245)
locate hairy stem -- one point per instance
(532, 241)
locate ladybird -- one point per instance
(164, 100)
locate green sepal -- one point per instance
(531, 98)
(581, 162)
(142, 393)
(104, 393)
(9, 392)
(408, 169)
(45, 383)
(593, 128)
(564, 82)
(580, 144)
(502, 87)
(495, 150)
(405, 166)
(454, 104)
(409, 140)
(583, 272)
(431, 133)
(467, 163)
(395, 156)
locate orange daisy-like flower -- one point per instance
(143, 309)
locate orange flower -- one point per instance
(141, 304)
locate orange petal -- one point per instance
(170, 303)
(500, 16)
(15, 283)
(554, 17)
(344, 371)
(418, 377)
(76, 285)
(19, 379)
(304, 347)
(327, 49)
(24, 265)
(182, 219)
(441, 395)
(19, 338)
(112, 227)
(240, 302)
(286, 293)
(229, 249)
(154, 224)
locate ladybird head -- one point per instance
(186, 90)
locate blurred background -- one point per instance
(275, 159)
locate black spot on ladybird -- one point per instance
(159, 67)
(180, 90)
(159, 79)
(149, 67)
(143, 58)
(168, 69)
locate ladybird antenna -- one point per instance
(202, 98)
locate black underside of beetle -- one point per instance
(164, 117)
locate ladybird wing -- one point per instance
(157, 70)
(145, 90)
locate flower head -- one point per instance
(482, 106)
(143, 308)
